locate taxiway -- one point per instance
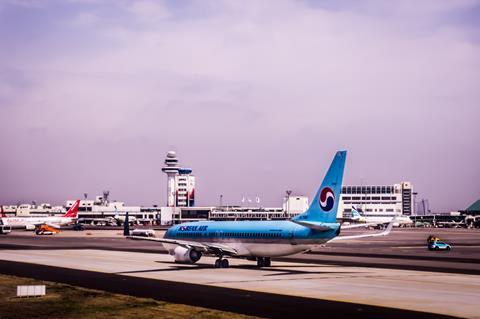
(393, 274)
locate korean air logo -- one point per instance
(326, 199)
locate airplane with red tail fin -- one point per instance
(30, 223)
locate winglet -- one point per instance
(390, 226)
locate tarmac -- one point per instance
(393, 276)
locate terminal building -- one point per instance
(369, 200)
(376, 200)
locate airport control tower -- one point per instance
(180, 183)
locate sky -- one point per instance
(255, 96)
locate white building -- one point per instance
(376, 200)
(185, 189)
(100, 209)
(295, 205)
(246, 213)
(33, 210)
(180, 183)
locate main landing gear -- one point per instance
(263, 262)
(221, 263)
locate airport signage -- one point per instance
(31, 291)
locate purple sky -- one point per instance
(255, 96)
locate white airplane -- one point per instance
(121, 219)
(4, 229)
(261, 240)
(372, 219)
(451, 224)
(107, 221)
(30, 223)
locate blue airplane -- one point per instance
(261, 240)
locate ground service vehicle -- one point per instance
(438, 245)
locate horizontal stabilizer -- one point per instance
(318, 226)
(358, 225)
(384, 233)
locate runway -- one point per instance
(385, 283)
(402, 249)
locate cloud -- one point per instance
(252, 91)
(149, 11)
(83, 19)
(24, 3)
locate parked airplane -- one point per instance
(261, 240)
(120, 219)
(31, 223)
(377, 219)
(451, 224)
(116, 220)
(106, 221)
(356, 217)
(4, 229)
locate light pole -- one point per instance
(287, 211)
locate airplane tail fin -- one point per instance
(72, 212)
(325, 203)
(126, 226)
(355, 213)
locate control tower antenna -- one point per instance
(106, 193)
(172, 169)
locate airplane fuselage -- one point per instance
(30, 222)
(254, 238)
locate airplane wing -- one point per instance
(208, 248)
(384, 233)
(358, 225)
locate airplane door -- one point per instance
(219, 234)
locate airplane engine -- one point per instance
(30, 227)
(188, 256)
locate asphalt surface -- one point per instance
(402, 249)
(227, 299)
